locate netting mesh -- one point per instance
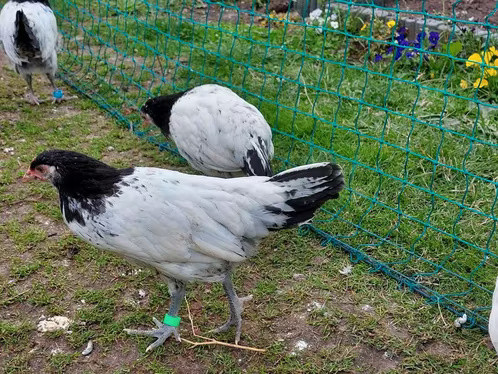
(412, 122)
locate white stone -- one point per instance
(298, 277)
(53, 324)
(367, 308)
(301, 345)
(315, 305)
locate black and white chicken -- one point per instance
(28, 31)
(187, 227)
(493, 318)
(215, 130)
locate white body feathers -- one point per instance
(214, 129)
(190, 227)
(43, 25)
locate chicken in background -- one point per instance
(215, 130)
(28, 32)
(493, 318)
(187, 227)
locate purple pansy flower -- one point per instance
(399, 53)
(378, 57)
(434, 37)
(420, 37)
(401, 34)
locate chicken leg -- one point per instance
(163, 331)
(30, 96)
(236, 307)
(56, 99)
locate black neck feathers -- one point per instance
(44, 2)
(79, 176)
(159, 109)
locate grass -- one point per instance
(45, 270)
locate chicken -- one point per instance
(215, 130)
(493, 318)
(28, 31)
(187, 227)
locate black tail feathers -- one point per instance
(257, 160)
(310, 187)
(25, 41)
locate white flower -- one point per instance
(315, 14)
(319, 30)
(333, 17)
(334, 24)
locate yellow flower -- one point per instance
(364, 26)
(493, 50)
(473, 58)
(391, 23)
(480, 83)
(487, 57)
(464, 84)
(489, 72)
(496, 62)
(432, 75)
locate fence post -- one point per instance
(305, 7)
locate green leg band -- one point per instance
(171, 321)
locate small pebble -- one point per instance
(141, 293)
(56, 351)
(298, 277)
(460, 320)
(315, 305)
(110, 148)
(367, 308)
(301, 345)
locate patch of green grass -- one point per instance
(15, 335)
(60, 361)
(17, 364)
(23, 271)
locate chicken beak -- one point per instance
(32, 175)
(146, 119)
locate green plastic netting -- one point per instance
(396, 108)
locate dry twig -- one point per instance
(210, 341)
